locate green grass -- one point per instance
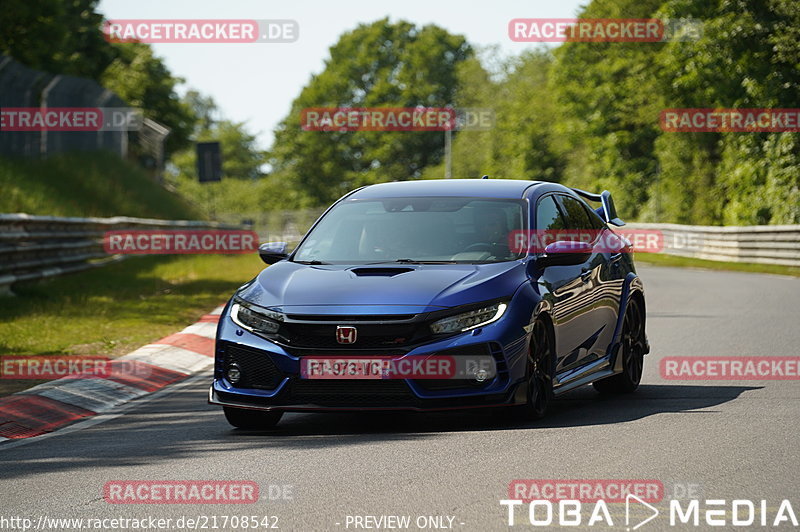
(115, 309)
(660, 259)
(86, 184)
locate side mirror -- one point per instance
(565, 253)
(272, 252)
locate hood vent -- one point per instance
(380, 272)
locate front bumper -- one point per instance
(272, 381)
(350, 404)
(271, 374)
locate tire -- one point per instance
(539, 373)
(251, 419)
(632, 350)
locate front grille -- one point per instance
(370, 335)
(258, 369)
(350, 393)
(351, 318)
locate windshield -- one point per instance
(421, 230)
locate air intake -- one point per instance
(380, 272)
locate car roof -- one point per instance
(481, 188)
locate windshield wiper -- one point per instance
(311, 262)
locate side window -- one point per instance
(548, 215)
(577, 218)
(594, 219)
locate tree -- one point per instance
(748, 57)
(204, 108)
(608, 105)
(241, 157)
(520, 144)
(58, 36)
(143, 80)
(244, 189)
(378, 64)
(65, 37)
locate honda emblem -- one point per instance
(346, 335)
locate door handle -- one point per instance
(586, 275)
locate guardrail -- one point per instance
(764, 244)
(34, 247)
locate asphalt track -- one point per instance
(721, 439)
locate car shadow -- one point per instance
(185, 427)
(582, 407)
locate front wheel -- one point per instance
(539, 373)
(251, 419)
(632, 352)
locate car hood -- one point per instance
(380, 289)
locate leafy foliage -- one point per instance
(586, 114)
(65, 37)
(375, 65)
(142, 79)
(59, 36)
(244, 188)
(589, 116)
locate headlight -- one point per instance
(265, 321)
(469, 320)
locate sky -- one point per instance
(256, 83)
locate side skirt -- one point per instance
(595, 370)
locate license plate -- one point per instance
(343, 368)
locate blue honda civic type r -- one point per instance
(413, 296)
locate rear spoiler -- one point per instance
(606, 211)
